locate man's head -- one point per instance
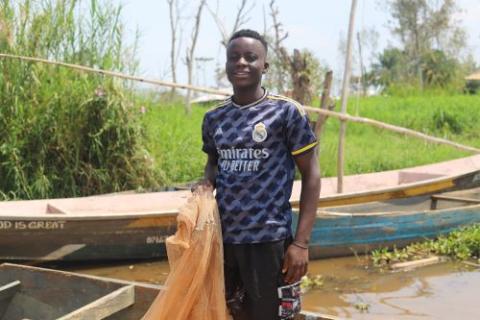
(246, 59)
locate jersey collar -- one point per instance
(265, 93)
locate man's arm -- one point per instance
(211, 169)
(296, 258)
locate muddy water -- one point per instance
(352, 289)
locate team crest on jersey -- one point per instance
(259, 133)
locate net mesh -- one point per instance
(195, 285)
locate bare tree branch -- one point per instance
(241, 19)
(191, 51)
(174, 19)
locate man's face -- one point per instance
(245, 62)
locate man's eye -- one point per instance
(251, 57)
(232, 57)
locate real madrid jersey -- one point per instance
(255, 145)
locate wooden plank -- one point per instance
(471, 264)
(307, 315)
(456, 199)
(7, 291)
(105, 306)
(416, 263)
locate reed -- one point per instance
(63, 133)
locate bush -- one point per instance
(64, 133)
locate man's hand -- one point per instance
(295, 264)
(203, 185)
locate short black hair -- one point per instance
(249, 34)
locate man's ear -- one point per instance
(265, 67)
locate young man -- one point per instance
(253, 141)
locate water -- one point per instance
(353, 289)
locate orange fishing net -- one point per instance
(195, 284)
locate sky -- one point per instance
(317, 25)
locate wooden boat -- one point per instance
(37, 293)
(360, 228)
(134, 226)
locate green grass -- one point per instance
(175, 140)
(64, 133)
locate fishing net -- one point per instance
(195, 284)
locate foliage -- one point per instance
(309, 282)
(395, 70)
(438, 69)
(64, 133)
(461, 244)
(431, 43)
(280, 75)
(175, 141)
(426, 25)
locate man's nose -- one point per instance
(241, 61)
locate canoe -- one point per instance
(360, 228)
(37, 293)
(135, 226)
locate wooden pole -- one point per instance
(325, 105)
(344, 100)
(382, 125)
(117, 74)
(340, 116)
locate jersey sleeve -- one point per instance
(300, 137)
(207, 136)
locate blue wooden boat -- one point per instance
(360, 228)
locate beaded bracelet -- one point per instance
(300, 245)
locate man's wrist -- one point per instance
(299, 244)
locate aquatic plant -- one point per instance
(460, 244)
(310, 282)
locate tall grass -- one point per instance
(63, 133)
(175, 141)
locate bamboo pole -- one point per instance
(344, 100)
(116, 74)
(340, 116)
(391, 127)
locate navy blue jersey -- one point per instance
(255, 145)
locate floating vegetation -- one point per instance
(461, 244)
(311, 282)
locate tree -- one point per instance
(438, 69)
(279, 64)
(241, 19)
(190, 55)
(174, 17)
(390, 67)
(423, 26)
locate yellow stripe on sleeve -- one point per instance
(307, 147)
(287, 99)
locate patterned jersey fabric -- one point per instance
(255, 145)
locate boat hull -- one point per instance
(135, 226)
(85, 239)
(341, 234)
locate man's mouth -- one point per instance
(241, 74)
